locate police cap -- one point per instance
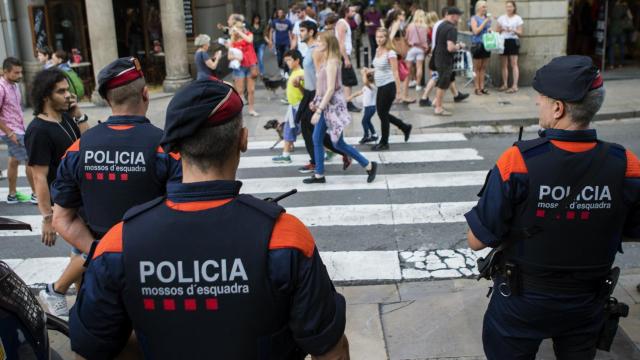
(567, 78)
(202, 103)
(120, 72)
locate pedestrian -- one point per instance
(395, 23)
(260, 41)
(205, 65)
(510, 26)
(417, 37)
(480, 24)
(387, 81)
(138, 177)
(620, 22)
(44, 57)
(545, 201)
(325, 11)
(330, 110)
(446, 45)
(343, 33)
(301, 15)
(308, 35)
(247, 282)
(291, 127)
(283, 38)
(12, 129)
(330, 23)
(242, 39)
(60, 59)
(368, 93)
(433, 80)
(52, 131)
(372, 21)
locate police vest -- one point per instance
(198, 282)
(117, 170)
(576, 245)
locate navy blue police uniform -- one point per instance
(561, 256)
(117, 164)
(207, 272)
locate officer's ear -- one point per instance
(559, 109)
(145, 94)
(244, 139)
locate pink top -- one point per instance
(321, 79)
(10, 110)
(335, 114)
(417, 36)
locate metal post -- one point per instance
(11, 38)
(365, 53)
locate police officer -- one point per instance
(558, 207)
(208, 272)
(116, 165)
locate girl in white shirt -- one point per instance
(510, 26)
(368, 92)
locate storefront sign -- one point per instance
(188, 18)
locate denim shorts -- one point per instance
(290, 134)
(18, 151)
(241, 72)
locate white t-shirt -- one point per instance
(347, 37)
(302, 47)
(509, 25)
(369, 95)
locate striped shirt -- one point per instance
(383, 73)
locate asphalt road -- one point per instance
(360, 207)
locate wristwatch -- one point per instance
(81, 119)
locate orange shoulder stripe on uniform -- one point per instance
(633, 165)
(574, 146)
(75, 147)
(511, 162)
(196, 205)
(175, 155)
(160, 150)
(110, 242)
(120, 127)
(289, 232)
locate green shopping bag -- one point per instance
(493, 42)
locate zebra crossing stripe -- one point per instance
(417, 138)
(357, 182)
(388, 157)
(336, 215)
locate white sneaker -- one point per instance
(56, 303)
(412, 83)
(418, 88)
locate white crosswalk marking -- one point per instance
(417, 138)
(387, 157)
(386, 205)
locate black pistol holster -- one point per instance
(613, 311)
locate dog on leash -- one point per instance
(274, 85)
(279, 129)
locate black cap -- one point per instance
(120, 72)
(567, 78)
(452, 10)
(200, 104)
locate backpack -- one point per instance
(75, 83)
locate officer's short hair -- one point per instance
(129, 94)
(211, 147)
(584, 111)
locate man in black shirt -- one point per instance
(47, 138)
(446, 38)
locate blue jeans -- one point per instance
(611, 43)
(367, 126)
(260, 52)
(318, 135)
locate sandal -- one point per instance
(512, 91)
(485, 91)
(409, 101)
(503, 88)
(478, 92)
(442, 113)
